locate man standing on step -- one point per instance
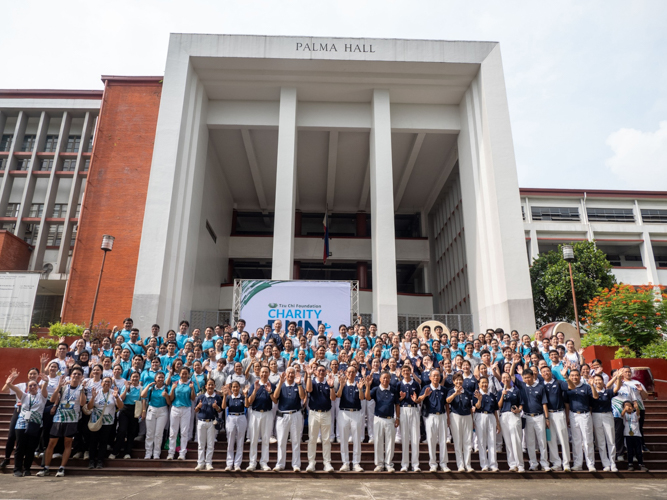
(288, 395)
(580, 397)
(351, 419)
(409, 390)
(434, 400)
(385, 420)
(259, 398)
(322, 393)
(558, 412)
(534, 409)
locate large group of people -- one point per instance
(482, 392)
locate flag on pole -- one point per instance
(326, 237)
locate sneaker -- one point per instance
(485, 469)
(91, 464)
(494, 469)
(228, 468)
(27, 473)
(112, 457)
(237, 468)
(273, 440)
(513, 469)
(296, 469)
(416, 469)
(592, 469)
(18, 473)
(328, 468)
(631, 468)
(310, 468)
(247, 441)
(404, 469)
(147, 457)
(444, 468)
(470, 469)
(275, 469)
(379, 468)
(433, 468)
(61, 472)
(521, 469)
(265, 468)
(127, 456)
(250, 468)
(43, 473)
(606, 469)
(181, 457)
(614, 468)
(86, 455)
(99, 466)
(344, 468)
(576, 468)
(77, 455)
(4, 463)
(170, 457)
(41, 454)
(643, 468)
(209, 467)
(199, 467)
(370, 440)
(546, 469)
(532, 469)
(357, 468)
(462, 469)
(567, 469)
(645, 449)
(57, 455)
(556, 468)
(390, 469)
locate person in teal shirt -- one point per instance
(181, 396)
(156, 414)
(182, 335)
(199, 377)
(126, 331)
(148, 376)
(168, 359)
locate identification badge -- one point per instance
(67, 406)
(631, 433)
(149, 415)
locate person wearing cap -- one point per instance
(558, 410)
(386, 420)
(322, 393)
(580, 397)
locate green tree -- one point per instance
(550, 280)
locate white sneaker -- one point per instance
(126, 457)
(614, 469)
(567, 469)
(470, 469)
(521, 469)
(556, 468)
(266, 468)
(61, 472)
(310, 468)
(79, 455)
(57, 455)
(328, 468)
(462, 469)
(592, 469)
(357, 468)
(379, 468)
(546, 469)
(237, 468)
(250, 468)
(272, 440)
(494, 469)
(247, 441)
(576, 468)
(390, 469)
(199, 467)
(112, 457)
(147, 457)
(276, 469)
(416, 469)
(170, 457)
(228, 468)
(485, 469)
(404, 469)
(606, 469)
(181, 457)
(434, 468)
(344, 468)
(209, 467)
(513, 469)
(370, 441)
(86, 456)
(296, 469)
(445, 469)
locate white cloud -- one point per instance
(640, 158)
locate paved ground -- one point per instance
(146, 488)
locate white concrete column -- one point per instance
(649, 259)
(283, 225)
(383, 245)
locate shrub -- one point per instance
(598, 339)
(625, 352)
(29, 342)
(657, 349)
(65, 330)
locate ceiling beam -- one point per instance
(442, 179)
(331, 168)
(366, 188)
(409, 167)
(254, 169)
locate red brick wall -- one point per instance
(114, 201)
(14, 253)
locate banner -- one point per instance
(17, 298)
(309, 303)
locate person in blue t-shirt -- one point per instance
(181, 396)
(156, 414)
(125, 332)
(182, 335)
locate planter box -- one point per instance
(658, 366)
(604, 353)
(22, 360)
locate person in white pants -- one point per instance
(409, 419)
(207, 407)
(460, 421)
(351, 419)
(580, 396)
(534, 410)
(259, 397)
(334, 404)
(486, 425)
(603, 421)
(558, 411)
(289, 395)
(510, 423)
(181, 396)
(322, 394)
(234, 401)
(434, 401)
(385, 421)
(368, 405)
(156, 414)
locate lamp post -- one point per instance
(568, 255)
(107, 246)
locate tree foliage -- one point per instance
(550, 280)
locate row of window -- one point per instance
(29, 140)
(37, 210)
(45, 165)
(53, 238)
(571, 214)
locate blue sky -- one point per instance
(586, 81)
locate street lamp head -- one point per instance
(568, 252)
(107, 242)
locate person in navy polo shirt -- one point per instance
(288, 395)
(322, 394)
(409, 390)
(580, 396)
(534, 398)
(351, 419)
(603, 421)
(434, 400)
(510, 404)
(386, 400)
(460, 421)
(236, 423)
(486, 425)
(558, 409)
(207, 407)
(259, 398)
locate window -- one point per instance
(69, 165)
(36, 210)
(46, 310)
(46, 165)
(59, 210)
(55, 235)
(73, 144)
(653, 216)
(6, 142)
(555, 213)
(74, 230)
(51, 142)
(242, 269)
(89, 149)
(23, 164)
(253, 223)
(28, 142)
(12, 210)
(407, 225)
(523, 213)
(3, 164)
(8, 226)
(78, 210)
(31, 233)
(86, 165)
(610, 215)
